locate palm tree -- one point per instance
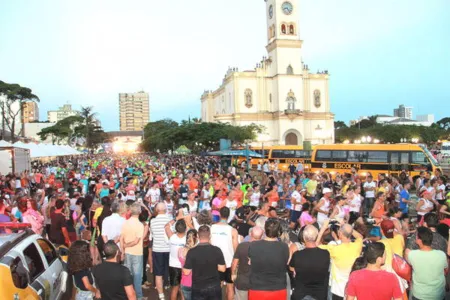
(89, 118)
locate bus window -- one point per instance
(377, 156)
(339, 155)
(323, 155)
(357, 156)
(283, 154)
(419, 158)
(400, 158)
(302, 154)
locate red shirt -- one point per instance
(376, 285)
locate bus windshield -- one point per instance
(429, 155)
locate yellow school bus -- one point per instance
(389, 159)
(284, 155)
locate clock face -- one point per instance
(271, 11)
(287, 8)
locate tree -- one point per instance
(167, 135)
(339, 125)
(89, 119)
(444, 123)
(63, 130)
(14, 96)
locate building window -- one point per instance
(290, 99)
(317, 102)
(248, 98)
(283, 28)
(270, 98)
(291, 29)
(290, 70)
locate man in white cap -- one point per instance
(323, 207)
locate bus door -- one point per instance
(398, 161)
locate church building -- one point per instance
(281, 93)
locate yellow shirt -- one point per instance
(131, 230)
(98, 212)
(311, 187)
(397, 244)
(343, 257)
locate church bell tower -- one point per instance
(284, 44)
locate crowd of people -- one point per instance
(191, 228)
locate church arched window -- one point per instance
(291, 29)
(248, 96)
(270, 98)
(273, 31)
(290, 99)
(283, 28)
(290, 70)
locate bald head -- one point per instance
(256, 233)
(310, 234)
(346, 230)
(160, 208)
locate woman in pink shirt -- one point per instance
(216, 205)
(33, 217)
(305, 217)
(186, 280)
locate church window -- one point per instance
(273, 31)
(270, 98)
(248, 98)
(270, 32)
(290, 70)
(317, 102)
(283, 28)
(291, 29)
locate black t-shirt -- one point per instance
(58, 221)
(311, 273)
(203, 261)
(268, 265)
(112, 278)
(78, 276)
(242, 281)
(183, 190)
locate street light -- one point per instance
(262, 138)
(415, 140)
(363, 139)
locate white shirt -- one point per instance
(298, 198)
(112, 226)
(155, 195)
(160, 241)
(176, 243)
(254, 199)
(169, 209)
(232, 205)
(440, 192)
(370, 194)
(222, 237)
(355, 203)
(266, 168)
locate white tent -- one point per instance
(47, 150)
(4, 143)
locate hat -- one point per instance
(388, 228)
(327, 190)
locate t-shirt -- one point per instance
(373, 285)
(58, 222)
(203, 261)
(305, 218)
(131, 230)
(78, 276)
(343, 256)
(298, 198)
(268, 265)
(428, 274)
(111, 279)
(397, 244)
(311, 187)
(242, 281)
(160, 242)
(404, 206)
(176, 243)
(311, 273)
(370, 194)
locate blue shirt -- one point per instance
(404, 206)
(104, 193)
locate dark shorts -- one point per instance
(226, 276)
(295, 215)
(174, 276)
(160, 263)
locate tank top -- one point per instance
(326, 205)
(169, 209)
(341, 213)
(426, 205)
(221, 237)
(356, 203)
(232, 205)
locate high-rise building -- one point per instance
(134, 109)
(63, 112)
(30, 112)
(403, 112)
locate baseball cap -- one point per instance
(327, 190)
(388, 228)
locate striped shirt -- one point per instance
(160, 240)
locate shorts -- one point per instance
(295, 215)
(174, 276)
(226, 276)
(160, 263)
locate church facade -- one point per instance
(281, 94)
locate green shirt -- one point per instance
(428, 274)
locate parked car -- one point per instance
(30, 267)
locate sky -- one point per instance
(379, 53)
